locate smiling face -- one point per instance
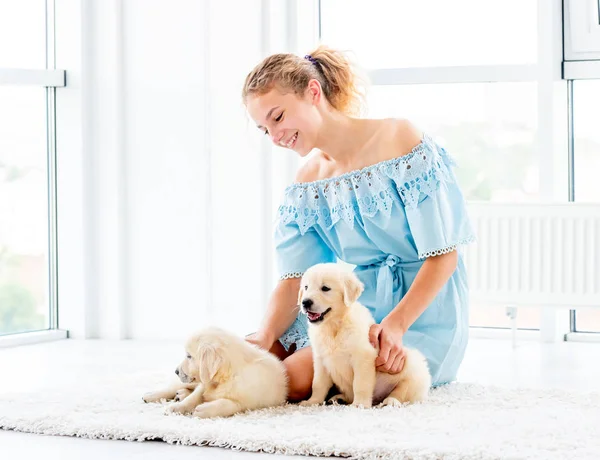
(326, 291)
(290, 120)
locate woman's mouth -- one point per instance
(290, 144)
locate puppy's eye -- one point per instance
(306, 287)
(325, 289)
(188, 356)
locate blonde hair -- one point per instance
(339, 79)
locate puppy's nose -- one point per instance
(177, 371)
(307, 303)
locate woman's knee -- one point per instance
(279, 350)
(299, 368)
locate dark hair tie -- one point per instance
(311, 59)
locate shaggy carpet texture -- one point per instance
(459, 421)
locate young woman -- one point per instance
(378, 194)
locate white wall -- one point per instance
(165, 192)
(165, 145)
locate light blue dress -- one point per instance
(385, 219)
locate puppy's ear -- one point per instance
(353, 288)
(300, 295)
(210, 359)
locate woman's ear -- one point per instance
(353, 288)
(314, 91)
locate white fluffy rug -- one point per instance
(460, 421)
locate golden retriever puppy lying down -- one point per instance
(222, 375)
(342, 353)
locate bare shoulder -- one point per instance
(396, 138)
(405, 136)
(311, 170)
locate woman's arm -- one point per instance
(282, 310)
(433, 274)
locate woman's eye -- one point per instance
(325, 289)
(279, 117)
(189, 356)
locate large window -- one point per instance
(27, 198)
(582, 67)
(432, 33)
(586, 131)
(465, 72)
(23, 210)
(489, 128)
(582, 30)
(23, 34)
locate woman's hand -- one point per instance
(262, 339)
(391, 353)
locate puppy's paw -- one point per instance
(337, 399)
(182, 394)
(207, 411)
(389, 401)
(362, 404)
(202, 412)
(152, 397)
(310, 402)
(178, 408)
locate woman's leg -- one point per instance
(279, 350)
(299, 367)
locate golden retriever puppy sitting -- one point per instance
(222, 375)
(342, 354)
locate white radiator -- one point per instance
(535, 254)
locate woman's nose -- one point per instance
(276, 138)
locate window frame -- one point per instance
(582, 30)
(49, 78)
(574, 332)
